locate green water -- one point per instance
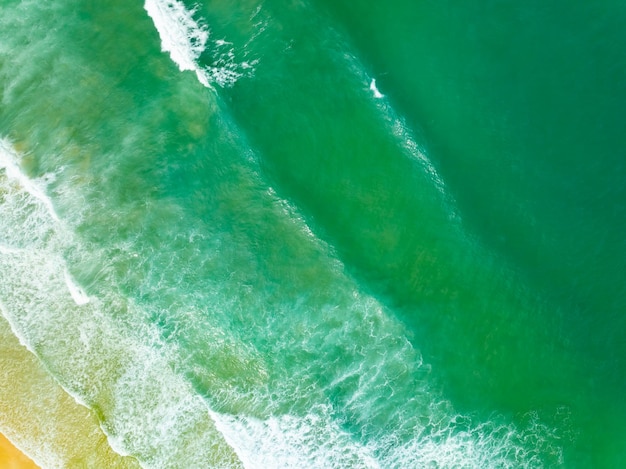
(288, 264)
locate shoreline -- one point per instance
(13, 458)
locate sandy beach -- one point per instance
(13, 458)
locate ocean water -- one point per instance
(313, 234)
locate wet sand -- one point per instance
(13, 458)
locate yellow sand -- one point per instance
(13, 458)
(42, 419)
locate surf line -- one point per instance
(8, 162)
(186, 39)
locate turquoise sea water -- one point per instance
(322, 233)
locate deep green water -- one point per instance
(322, 233)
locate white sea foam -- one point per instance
(293, 442)
(8, 162)
(78, 294)
(315, 440)
(120, 366)
(374, 89)
(432, 433)
(8, 250)
(475, 446)
(186, 39)
(181, 35)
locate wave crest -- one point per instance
(186, 39)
